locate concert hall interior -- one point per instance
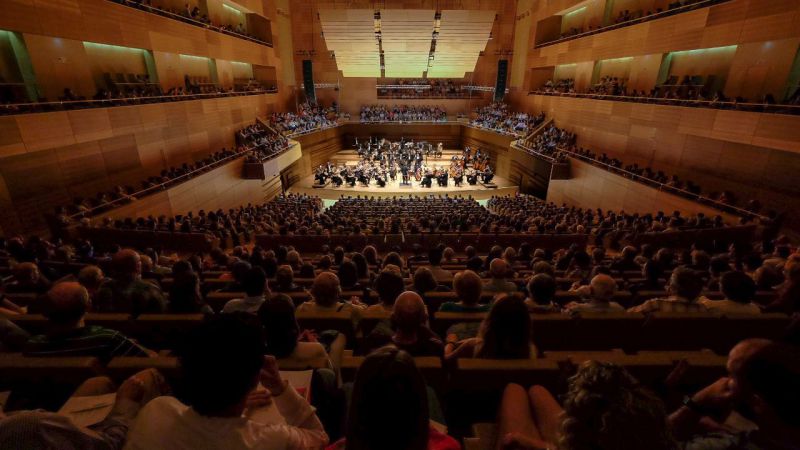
(400, 224)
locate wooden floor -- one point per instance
(392, 189)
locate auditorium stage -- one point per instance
(392, 189)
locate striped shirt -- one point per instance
(86, 341)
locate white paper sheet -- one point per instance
(88, 410)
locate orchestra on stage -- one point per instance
(382, 161)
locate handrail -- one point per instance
(179, 179)
(133, 100)
(627, 23)
(538, 129)
(181, 18)
(520, 146)
(660, 186)
(314, 130)
(795, 109)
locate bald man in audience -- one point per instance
(409, 330)
(601, 291)
(68, 334)
(498, 270)
(126, 292)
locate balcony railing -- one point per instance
(731, 209)
(138, 4)
(62, 105)
(128, 198)
(736, 106)
(627, 23)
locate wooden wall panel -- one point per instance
(749, 154)
(593, 187)
(49, 158)
(105, 22)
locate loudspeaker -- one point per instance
(500, 85)
(308, 81)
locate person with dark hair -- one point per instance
(504, 334)
(541, 293)
(424, 282)
(395, 259)
(284, 280)
(126, 291)
(717, 266)
(282, 334)
(255, 287)
(66, 305)
(389, 377)
(763, 385)
(684, 288)
(362, 268)
(306, 271)
(434, 265)
(222, 363)
(238, 272)
(348, 276)
(389, 285)
(605, 408)
(185, 296)
(739, 290)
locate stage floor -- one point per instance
(392, 189)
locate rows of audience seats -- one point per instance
(692, 91)
(309, 117)
(402, 113)
(474, 325)
(626, 17)
(425, 88)
(498, 118)
(193, 16)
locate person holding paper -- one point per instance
(222, 363)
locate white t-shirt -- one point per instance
(167, 423)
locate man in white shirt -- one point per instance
(602, 289)
(223, 363)
(255, 285)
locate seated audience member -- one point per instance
(39, 429)
(498, 270)
(282, 334)
(284, 280)
(238, 272)
(27, 279)
(504, 334)
(185, 296)
(325, 297)
(763, 386)
(222, 363)
(716, 268)
(434, 261)
(348, 276)
(604, 408)
(126, 291)
(788, 300)
(767, 278)
(651, 274)
(91, 277)
(541, 293)
(626, 261)
(389, 285)
(424, 282)
(389, 377)
(255, 287)
(739, 290)
(68, 335)
(601, 291)
(409, 330)
(684, 287)
(468, 287)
